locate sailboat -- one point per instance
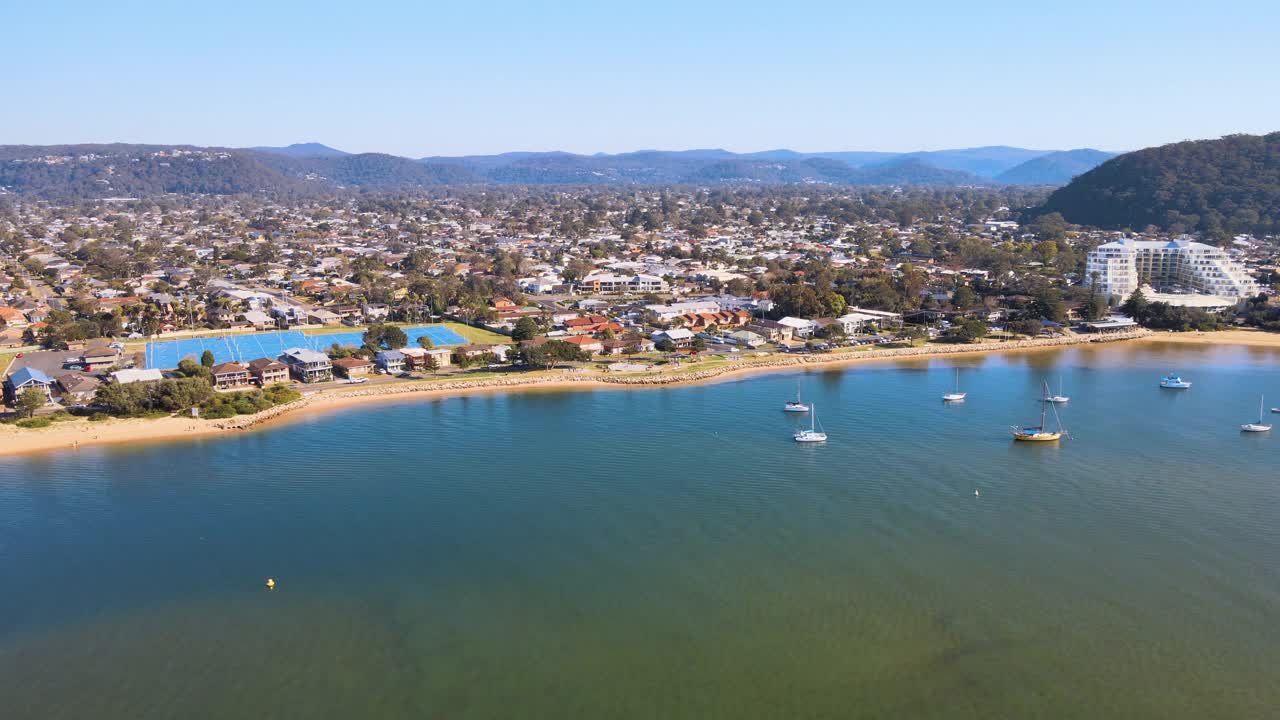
(813, 434)
(1258, 426)
(795, 406)
(1040, 433)
(956, 396)
(1059, 398)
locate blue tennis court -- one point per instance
(243, 348)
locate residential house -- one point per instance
(259, 320)
(390, 361)
(746, 338)
(667, 313)
(800, 327)
(680, 337)
(77, 387)
(231, 375)
(443, 356)
(470, 351)
(13, 318)
(586, 342)
(24, 379)
(308, 365)
(723, 319)
(620, 346)
(320, 316)
(772, 330)
(351, 367)
(268, 372)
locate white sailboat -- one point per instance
(1258, 426)
(796, 406)
(1059, 398)
(956, 396)
(813, 434)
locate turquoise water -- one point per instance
(671, 553)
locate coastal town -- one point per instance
(212, 307)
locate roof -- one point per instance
(305, 355)
(390, 355)
(351, 362)
(133, 375)
(29, 374)
(267, 364)
(228, 367)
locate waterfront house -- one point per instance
(476, 350)
(746, 338)
(231, 375)
(308, 365)
(390, 361)
(24, 379)
(771, 330)
(800, 327)
(443, 356)
(680, 337)
(586, 343)
(77, 387)
(352, 367)
(268, 372)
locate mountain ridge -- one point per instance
(117, 169)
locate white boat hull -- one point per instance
(954, 397)
(789, 407)
(1254, 427)
(1058, 399)
(810, 437)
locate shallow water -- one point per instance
(672, 553)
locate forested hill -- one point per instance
(1230, 185)
(118, 170)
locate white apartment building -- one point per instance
(1120, 267)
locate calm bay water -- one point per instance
(671, 553)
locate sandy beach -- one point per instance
(1256, 338)
(76, 434)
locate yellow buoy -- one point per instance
(271, 583)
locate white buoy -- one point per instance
(977, 493)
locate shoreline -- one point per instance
(72, 435)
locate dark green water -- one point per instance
(673, 554)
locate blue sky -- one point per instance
(425, 78)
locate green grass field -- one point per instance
(6, 358)
(478, 335)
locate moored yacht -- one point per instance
(1173, 382)
(795, 406)
(1257, 426)
(1040, 433)
(813, 434)
(956, 396)
(1059, 398)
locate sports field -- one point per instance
(243, 348)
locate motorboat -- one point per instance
(1173, 382)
